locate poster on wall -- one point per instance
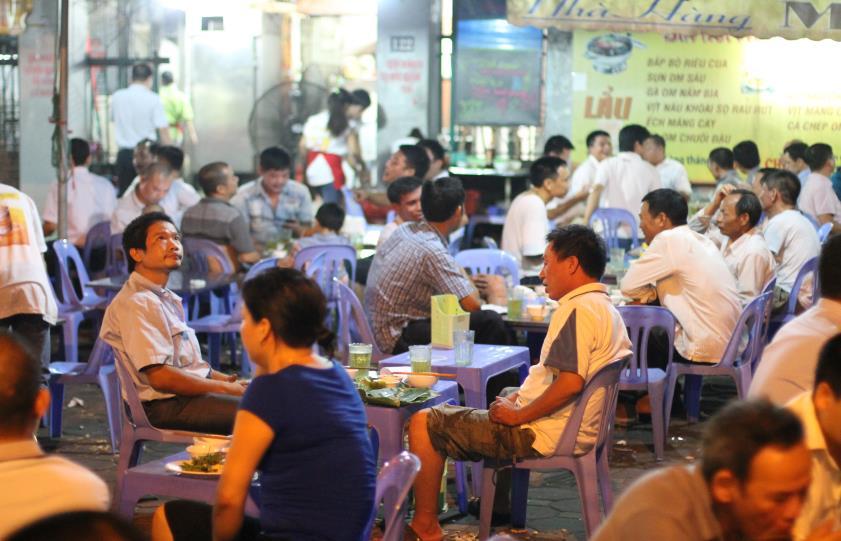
(701, 92)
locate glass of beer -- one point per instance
(420, 358)
(360, 356)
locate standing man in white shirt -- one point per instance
(672, 173)
(599, 148)
(817, 198)
(137, 113)
(526, 225)
(794, 160)
(819, 410)
(558, 146)
(90, 198)
(27, 302)
(623, 180)
(744, 249)
(687, 274)
(789, 235)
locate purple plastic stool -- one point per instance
(640, 321)
(590, 469)
(734, 363)
(98, 370)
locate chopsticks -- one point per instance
(401, 373)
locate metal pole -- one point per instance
(61, 121)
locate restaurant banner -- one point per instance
(792, 19)
(701, 92)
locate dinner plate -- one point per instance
(175, 467)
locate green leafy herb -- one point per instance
(206, 464)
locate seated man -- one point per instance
(272, 204)
(413, 265)
(155, 181)
(744, 249)
(687, 274)
(181, 195)
(90, 198)
(438, 162)
(526, 223)
(819, 412)
(407, 161)
(720, 164)
(788, 362)
(749, 484)
(214, 218)
(746, 159)
(585, 334)
(404, 195)
(817, 198)
(794, 160)
(145, 326)
(328, 223)
(35, 485)
(789, 235)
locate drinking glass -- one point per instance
(420, 358)
(515, 304)
(463, 342)
(360, 356)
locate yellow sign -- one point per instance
(793, 19)
(702, 92)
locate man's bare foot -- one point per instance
(430, 532)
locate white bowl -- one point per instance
(416, 380)
(214, 444)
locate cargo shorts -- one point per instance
(468, 434)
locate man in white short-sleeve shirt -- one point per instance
(145, 325)
(599, 148)
(526, 225)
(35, 485)
(788, 362)
(623, 180)
(586, 333)
(149, 194)
(788, 234)
(672, 173)
(687, 274)
(817, 198)
(138, 113)
(180, 195)
(90, 198)
(27, 302)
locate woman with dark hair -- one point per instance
(301, 424)
(328, 142)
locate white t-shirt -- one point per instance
(686, 272)
(318, 138)
(751, 263)
(673, 175)
(37, 486)
(626, 178)
(137, 113)
(582, 178)
(24, 285)
(586, 332)
(793, 241)
(818, 198)
(526, 226)
(90, 199)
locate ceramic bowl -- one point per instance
(416, 380)
(390, 380)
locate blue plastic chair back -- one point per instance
(392, 214)
(823, 232)
(66, 252)
(352, 318)
(200, 252)
(116, 260)
(611, 220)
(456, 238)
(98, 237)
(640, 321)
(810, 267)
(260, 266)
(488, 261)
(396, 476)
(752, 322)
(352, 207)
(327, 260)
(607, 378)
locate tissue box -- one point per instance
(447, 316)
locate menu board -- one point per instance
(497, 73)
(702, 92)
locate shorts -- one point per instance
(468, 434)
